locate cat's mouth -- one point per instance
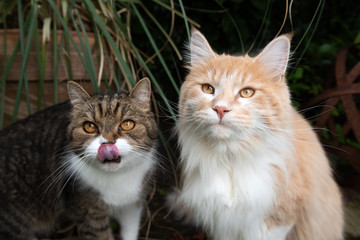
(109, 153)
(115, 160)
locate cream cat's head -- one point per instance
(226, 98)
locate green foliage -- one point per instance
(109, 20)
(146, 38)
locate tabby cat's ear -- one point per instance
(199, 47)
(76, 93)
(275, 55)
(142, 92)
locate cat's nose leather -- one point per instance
(221, 110)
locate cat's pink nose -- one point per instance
(108, 151)
(221, 110)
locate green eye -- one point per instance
(90, 127)
(207, 88)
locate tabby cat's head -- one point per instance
(234, 97)
(111, 131)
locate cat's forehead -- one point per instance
(110, 97)
(227, 69)
(100, 106)
(112, 104)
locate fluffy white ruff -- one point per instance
(229, 189)
(118, 185)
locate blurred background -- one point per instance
(107, 45)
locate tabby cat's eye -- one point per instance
(246, 92)
(207, 88)
(127, 125)
(90, 127)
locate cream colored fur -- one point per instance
(260, 171)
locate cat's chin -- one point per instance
(220, 131)
(110, 166)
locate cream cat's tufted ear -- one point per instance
(76, 93)
(199, 47)
(275, 55)
(142, 91)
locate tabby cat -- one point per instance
(252, 167)
(78, 162)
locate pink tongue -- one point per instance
(108, 151)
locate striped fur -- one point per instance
(50, 176)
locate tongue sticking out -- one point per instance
(108, 152)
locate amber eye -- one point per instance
(246, 92)
(90, 127)
(127, 125)
(207, 88)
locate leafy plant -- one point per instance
(110, 21)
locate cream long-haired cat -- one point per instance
(252, 168)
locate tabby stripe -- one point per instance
(124, 110)
(100, 109)
(60, 130)
(13, 169)
(16, 167)
(108, 110)
(43, 161)
(116, 107)
(50, 137)
(148, 133)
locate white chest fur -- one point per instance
(230, 195)
(118, 188)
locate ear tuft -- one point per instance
(142, 91)
(77, 94)
(275, 55)
(199, 47)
